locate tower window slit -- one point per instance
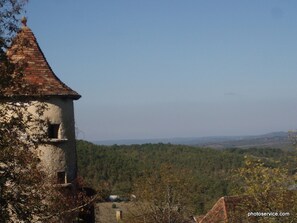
(53, 131)
(61, 177)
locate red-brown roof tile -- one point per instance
(38, 75)
(227, 209)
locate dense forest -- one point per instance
(114, 169)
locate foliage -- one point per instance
(266, 189)
(118, 167)
(121, 166)
(293, 137)
(20, 177)
(26, 195)
(10, 11)
(163, 196)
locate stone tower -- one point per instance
(58, 152)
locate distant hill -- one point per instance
(270, 140)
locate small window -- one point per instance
(61, 177)
(53, 131)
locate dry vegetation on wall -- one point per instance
(21, 180)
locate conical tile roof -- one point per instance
(38, 74)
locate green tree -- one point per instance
(162, 197)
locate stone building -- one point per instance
(58, 152)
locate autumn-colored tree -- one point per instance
(266, 189)
(26, 194)
(20, 177)
(162, 196)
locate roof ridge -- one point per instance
(225, 208)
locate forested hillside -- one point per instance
(115, 168)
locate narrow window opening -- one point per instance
(53, 131)
(61, 177)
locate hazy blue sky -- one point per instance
(168, 68)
